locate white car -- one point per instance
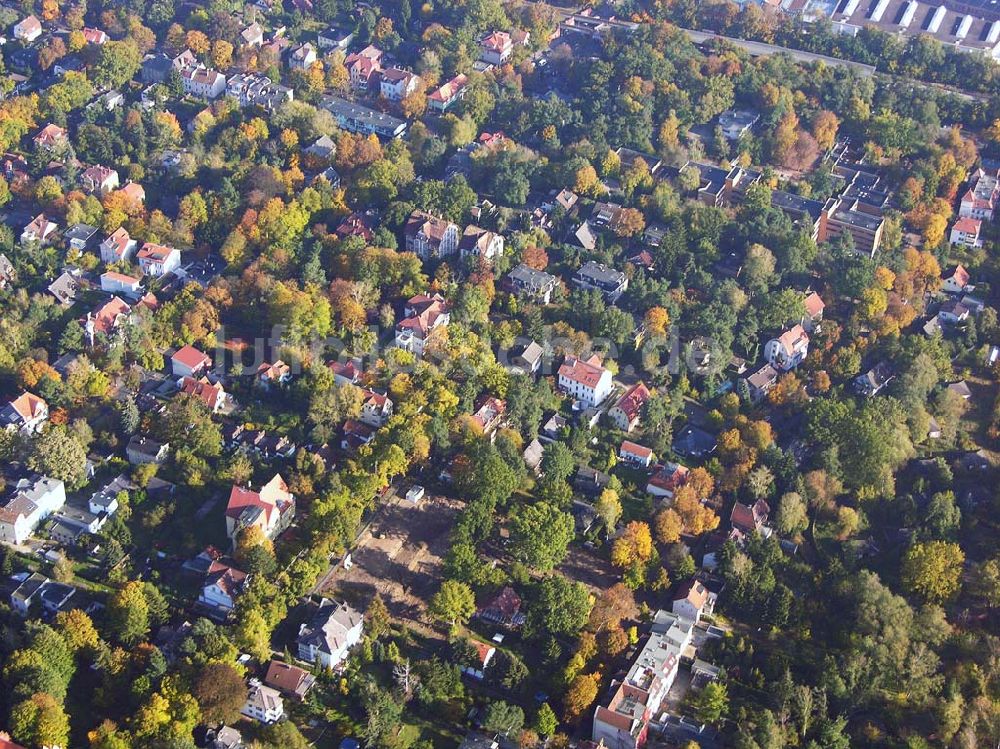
(415, 494)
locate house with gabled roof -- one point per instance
(118, 246)
(65, 288)
(667, 479)
(33, 502)
(749, 519)
(28, 29)
(496, 48)
(814, 307)
(445, 96)
(253, 35)
(278, 373)
(490, 413)
(271, 508)
(99, 179)
(504, 609)
(692, 600)
(479, 242)
(635, 454)
(955, 280)
(376, 408)
(981, 198)
(51, 136)
(188, 361)
(528, 283)
(94, 36)
(585, 380)
(25, 414)
(158, 260)
(40, 230)
(223, 584)
(424, 317)
(788, 350)
(327, 637)
(396, 84)
(363, 66)
(430, 236)
(212, 394)
(263, 703)
(627, 410)
(108, 317)
(289, 679)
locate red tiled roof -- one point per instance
(191, 357)
(155, 252)
(814, 305)
(587, 373)
(203, 388)
(28, 405)
(669, 478)
(634, 448)
(498, 41)
(273, 492)
(968, 225)
(120, 277)
(106, 316)
(450, 89)
(692, 591)
(284, 676)
(632, 402)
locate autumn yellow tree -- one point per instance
(580, 696)
(656, 320)
(633, 546)
(669, 526)
(824, 128)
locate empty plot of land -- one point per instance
(400, 555)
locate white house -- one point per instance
(204, 83)
(788, 350)
(223, 583)
(636, 454)
(397, 84)
(100, 179)
(303, 57)
(981, 198)
(263, 703)
(479, 242)
(585, 380)
(496, 48)
(119, 283)
(967, 232)
(24, 414)
(376, 408)
(443, 98)
(693, 600)
(39, 230)
(333, 630)
(627, 411)
(28, 30)
(157, 260)
(188, 361)
(118, 246)
(424, 317)
(736, 123)
(429, 236)
(955, 280)
(270, 508)
(33, 502)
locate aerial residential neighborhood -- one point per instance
(499, 374)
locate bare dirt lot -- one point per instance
(400, 556)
